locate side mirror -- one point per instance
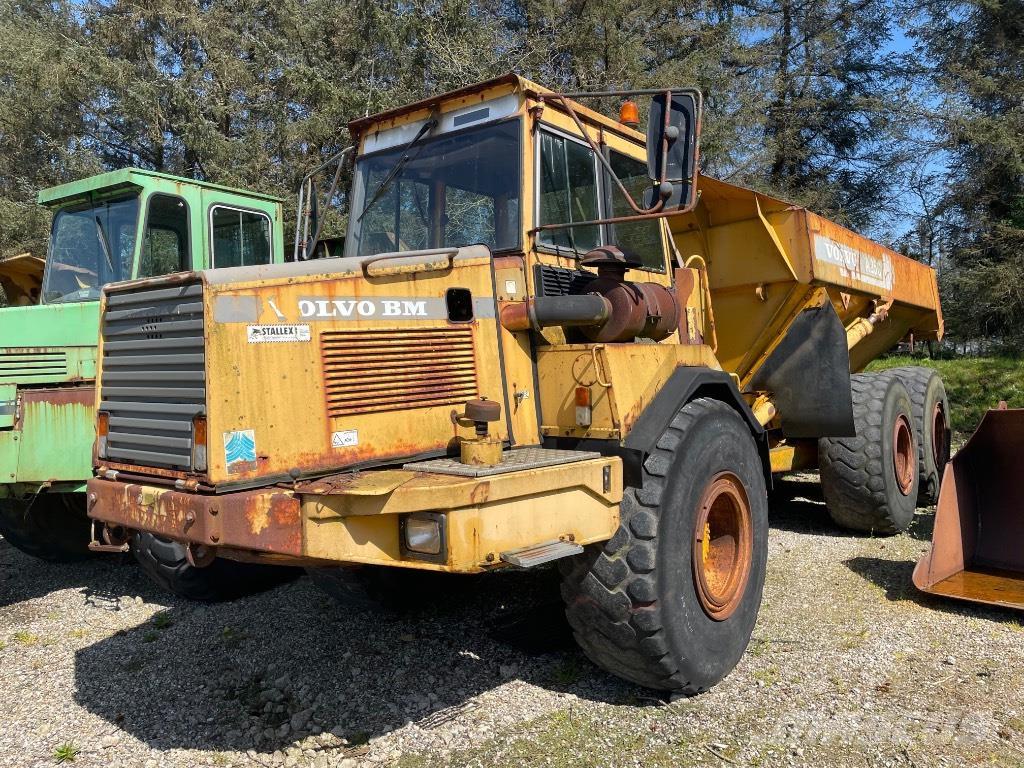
(673, 131)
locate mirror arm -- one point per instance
(304, 208)
(562, 98)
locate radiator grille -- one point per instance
(154, 379)
(390, 370)
(25, 366)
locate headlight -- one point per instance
(423, 534)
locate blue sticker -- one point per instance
(240, 451)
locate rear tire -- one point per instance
(870, 481)
(931, 428)
(671, 600)
(52, 526)
(164, 562)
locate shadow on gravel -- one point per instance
(23, 577)
(894, 577)
(799, 507)
(260, 672)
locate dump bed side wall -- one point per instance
(768, 260)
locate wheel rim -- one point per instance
(940, 453)
(904, 458)
(722, 546)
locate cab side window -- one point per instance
(568, 193)
(239, 238)
(642, 238)
(165, 242)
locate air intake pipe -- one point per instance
(613, 309)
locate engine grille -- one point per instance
(374, 371)
(557, 281)
(154, 379)
(26, 366)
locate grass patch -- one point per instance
(567, 672)
(25, 638)
(973, 384)
(162, 620)
(66, 752)
(150, 636)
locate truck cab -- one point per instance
(122, 225)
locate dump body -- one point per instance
(768, 260)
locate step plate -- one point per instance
(541, 553)
(511, 461)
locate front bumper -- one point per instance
(358, 518)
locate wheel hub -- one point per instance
(904, 456)
(722, 546)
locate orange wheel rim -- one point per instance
(904, 457)
(722, 546)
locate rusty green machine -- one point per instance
(114, 226)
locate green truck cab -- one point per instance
(115, 226)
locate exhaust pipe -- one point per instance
(977, 551)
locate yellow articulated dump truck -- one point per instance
(546, 340)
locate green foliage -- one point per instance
(66, 752)
(973, 385)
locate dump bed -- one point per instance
(769, 260)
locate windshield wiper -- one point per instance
(398, 166)
(105, 244)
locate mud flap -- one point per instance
(808, 374)
(977, 550)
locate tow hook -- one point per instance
(115, 540)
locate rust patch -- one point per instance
(261, 521)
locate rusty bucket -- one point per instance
(977, 550)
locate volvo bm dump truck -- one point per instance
(106, 228)
(547, 340)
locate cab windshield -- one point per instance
(90, 247)
(451, 191)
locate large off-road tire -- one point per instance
(870, 481)
(164, 561)
(931, 428)
(670, 601)
(52, 526)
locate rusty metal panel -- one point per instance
(369, 371)
(56, 434)
(262, 521)
(977, 549)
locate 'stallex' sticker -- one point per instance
(345, 439)
(263, 334)
(240, 451)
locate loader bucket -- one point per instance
(977, 550)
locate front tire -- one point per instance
(671, 600)
(870, 480)
(164, 562)
(52, 526)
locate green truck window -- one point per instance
(90, 246)
(240, 238)
(568, 192)
(641, 238)
(165, 243)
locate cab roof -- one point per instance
(514, 83)
(133, 178)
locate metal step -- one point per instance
(511, 461)
(528, 557)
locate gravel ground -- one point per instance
(848, 666)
